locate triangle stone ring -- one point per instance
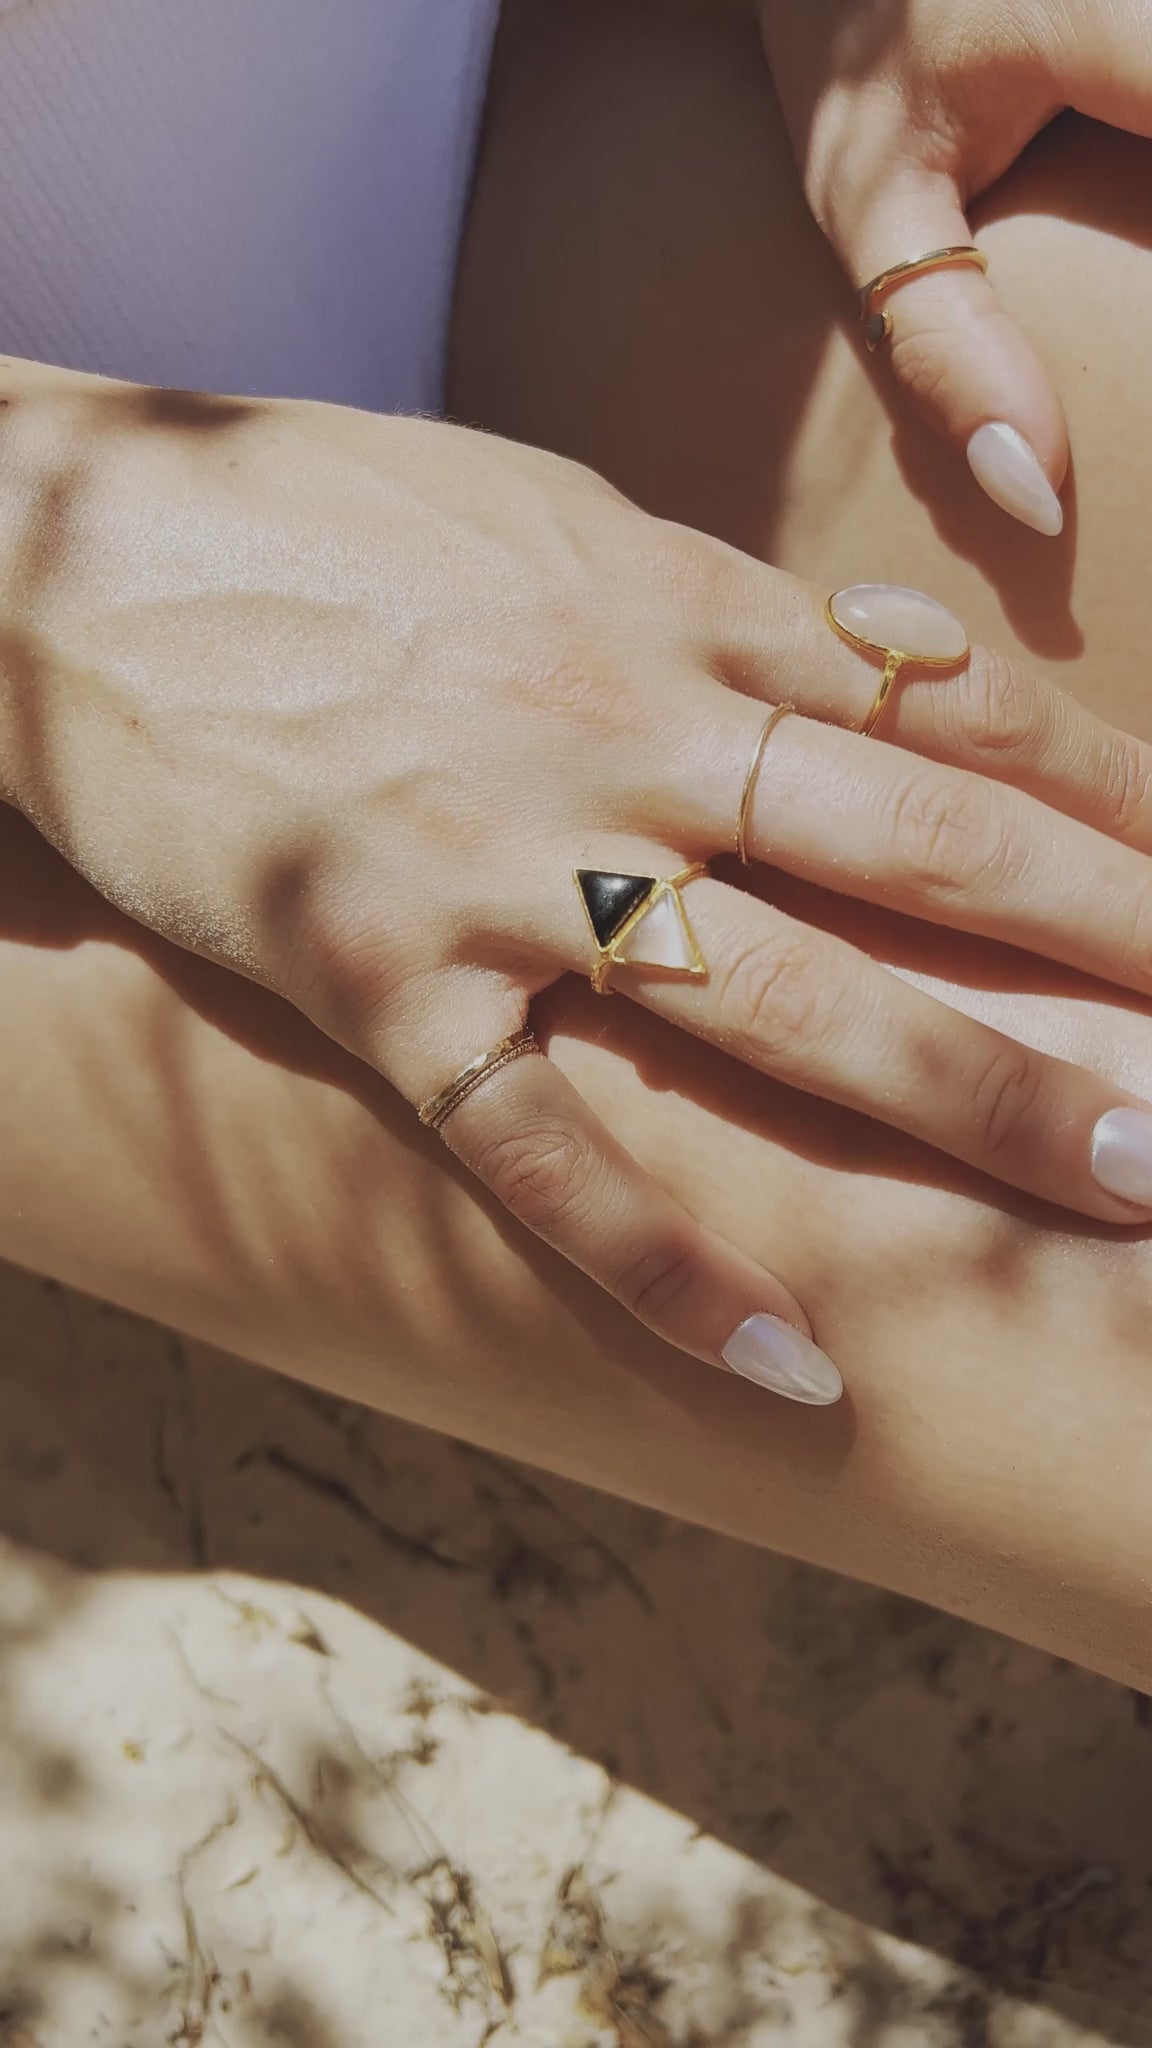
(640, 921)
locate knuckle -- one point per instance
(1140, 943)
(342, 968)
(951, 831)
(778, 993)
(702, 576)
(1004, 1100)
(654, 1282)
(1005, 711)
(1124, 785)
(540, 1174)
(563, 675)
(574, 677)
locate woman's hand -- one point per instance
(901, 112)
(343, 701)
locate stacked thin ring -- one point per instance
(438, 1108)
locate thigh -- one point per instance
(643, 289)
(181, 1143)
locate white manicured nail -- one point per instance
(1122, 1154)
(1006, 467)
(774, 1354)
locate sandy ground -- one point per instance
(319, 1731)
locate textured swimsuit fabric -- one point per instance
(239, 195)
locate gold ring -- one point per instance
(640, 921)
(878, 320)
(439, 1107)
(777, 712)
(932, 636)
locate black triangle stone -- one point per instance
(611, 899)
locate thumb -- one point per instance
(952, 346)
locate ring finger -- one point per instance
(874, 821)
(989, 713)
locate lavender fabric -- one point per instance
(239, 195)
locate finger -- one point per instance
(953, 348)
(813, 1011)
(533, 1141)
(936, 842)
(992, 715)
(1000, 720)
(919, 836)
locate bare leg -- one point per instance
(641, 289)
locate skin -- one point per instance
(232, 1172)
(324, 777)
(901, 113)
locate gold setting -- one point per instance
(608, 953)
(876, 317)
(438, 1108)
(744, 815)
(894, 659)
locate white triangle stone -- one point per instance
(659, 939)
(890, 616)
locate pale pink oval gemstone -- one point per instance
(890, 616)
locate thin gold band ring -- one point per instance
(877, 319)
(439, 1108)
(744, 815)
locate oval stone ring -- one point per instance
(902, 627)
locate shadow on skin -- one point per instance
(165, 1135)
(48, 904)
(44, 903)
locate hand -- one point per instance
(901, 112)
(342, 701)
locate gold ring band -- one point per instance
(877, 319)
(439, 1107)
(892, 668)
(777, 712)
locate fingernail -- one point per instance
(1006, 467)
(774, 1354)
(1122, 1154)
